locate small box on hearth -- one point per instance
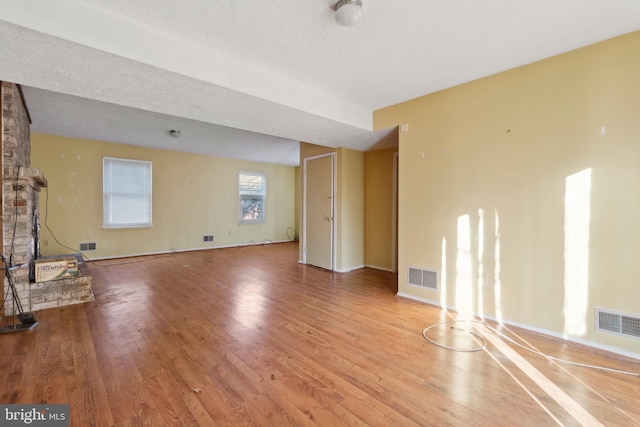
(47, 269)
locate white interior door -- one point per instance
(319, 211)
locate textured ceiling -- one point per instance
(250, 78)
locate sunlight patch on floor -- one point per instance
(555, 392)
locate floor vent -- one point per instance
(88, 246)
(424, 278)
(617, 323)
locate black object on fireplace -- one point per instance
(27, 320)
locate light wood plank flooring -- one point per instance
(247, 336)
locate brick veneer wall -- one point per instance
(18, 198)
(16, 130)
(21, 185)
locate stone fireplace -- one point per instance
(21, 186)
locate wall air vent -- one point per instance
(88, 246)
(614, 322)
(424, 278)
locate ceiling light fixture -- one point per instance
(175, 133)
(348, 12)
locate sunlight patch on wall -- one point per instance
(577, 217)
(480, 285)
(464, 285)
(497, 284)
(443, 275)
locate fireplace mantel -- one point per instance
(33, 173)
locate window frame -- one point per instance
(108, 200)
(253, 195)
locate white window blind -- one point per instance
(253, 195)
(127, 193)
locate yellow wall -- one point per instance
(350, 253)
(310, 150)
(193, 196)
(489, 175)
(298, 202)
(379, 208)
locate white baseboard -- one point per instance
(586, 343)
(350, 269)
(424, 300)
(375, 267)
(170, 251)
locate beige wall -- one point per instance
(523, 190)
(298, 202)
(350, 227)
(193, 196)
(379, 208)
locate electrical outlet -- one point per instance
(208, 238)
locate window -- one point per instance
(126, 189)
(253, 195)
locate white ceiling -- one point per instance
(249, 79)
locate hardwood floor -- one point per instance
(247, 336)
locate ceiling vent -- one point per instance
(614, 322)
(424, 278)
